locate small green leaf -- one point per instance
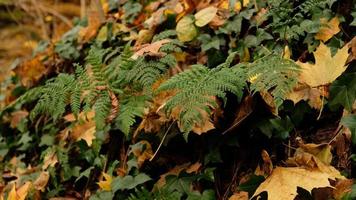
(129, 182)
(343, 91)
(350, 122)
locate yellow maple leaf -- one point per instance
(283, 182)
(328, 29)
(326, 68)
(20, 193)
(105, 184)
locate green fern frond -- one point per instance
(273, 74)
(102, 108)
(130, 108)
(197, 87)
(55, 95)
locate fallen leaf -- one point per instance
(204, 126)
(41, 182)
(105, 184)
(194, 168)
(267, 167)
(342, 187)
(143, 152)
(321, 151)
(352, 45)
(326, 68)
(89, 32)
(283, 182)
(17, 116)
(50, 159)
(186, 30)
(31, 71)
(84, 131)
(20, 193)
(204, 16)
(328, 29)
(306, 93)
(245, 3)
(152, 49)
(241, 195)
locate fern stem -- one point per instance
(160, 144)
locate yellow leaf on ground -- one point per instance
(204, 126)
(306, 93)
(20, 193)
(87, 33)
(152, 49)
(85, 131)
(50, 159)
(143, 152)
(245, 2)
(105, 185)
(326, 68)
(242, 195)
(17, 116)
(41, 182)
(204, 16)
(328, 29)
(186, 30)
(283, 182)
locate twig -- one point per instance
(160, 144)
(322, 104)
(56, 14)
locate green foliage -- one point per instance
(350, 122)
(273, 74)
(343, 91)
(66, 47)
(129, 182)
(130, 108)
(197, 88)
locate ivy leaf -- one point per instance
(350, 122)
(204, 16)
(128, 182)
(353, 23)
(326, 68)
(343, 91)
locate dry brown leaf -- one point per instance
(328, 29)
(241, 195)
(84, 131)
(321, 151)
(89, 32)
(306, 93)
(20, 193)
(342, 187)
(352, 45)
(144, 153)
(50, 159)
(283, 182)
(152, 49)
(31, 71)
(326, 68)
(311, 162)
(16, 117)
(41, 182)
(266, 168)
(83, 116)
(194, 168)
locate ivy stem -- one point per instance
(160, 144)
